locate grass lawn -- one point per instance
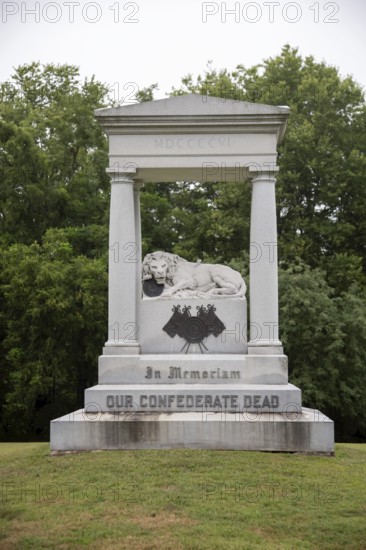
(181, 499)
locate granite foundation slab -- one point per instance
(198, 397)
(307, 432)
(210, 369)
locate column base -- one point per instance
(116, 348)
(265, 347)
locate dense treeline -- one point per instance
(54, 241)
(53, 216)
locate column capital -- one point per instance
(122, 173)
(265, 173)
(120, 177)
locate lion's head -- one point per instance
(160, 265)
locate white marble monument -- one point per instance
(177, 369)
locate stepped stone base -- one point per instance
(306, 432)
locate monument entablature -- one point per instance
(214, 140)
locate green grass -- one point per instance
(181, 499)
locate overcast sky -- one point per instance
(130, 45)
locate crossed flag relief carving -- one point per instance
(194, 329)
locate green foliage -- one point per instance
(54, 196)
(194, 220)
(320, 190)
(325, 338)
(52, 153)
(53, 317)
(53, 211)
(146, 94)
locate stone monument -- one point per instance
(177, 369)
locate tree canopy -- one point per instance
(54, 196)
(53, 153)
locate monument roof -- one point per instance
(192, 104)
(193, 113)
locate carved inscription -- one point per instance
(187, 401)
(192, 142)
(178, 373)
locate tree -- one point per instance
(52, 153)
(54, 307)
(325, 339)
(53, 220)
(146, 94)
(320, 195)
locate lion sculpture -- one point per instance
(186, 279)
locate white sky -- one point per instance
(170, 39)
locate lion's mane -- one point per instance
(172, 261)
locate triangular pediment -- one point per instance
(194, 114)
(192, 105)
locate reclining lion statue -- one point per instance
(187, 279)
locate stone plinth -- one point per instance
(155, 313)
(308, 432)
(194, 397)
(192, 369)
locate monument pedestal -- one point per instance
(219, 401)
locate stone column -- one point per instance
(264, 337)
(124, 264)
(137, 187)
